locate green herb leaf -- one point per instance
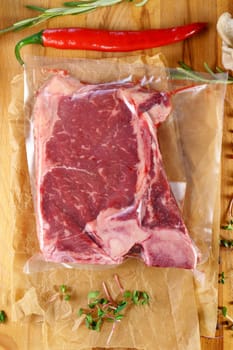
(103, 301)
(229, 226)
(119, 317)
(100, 312)
(135, 296)
(127, 294)
(224, 311)
(93, 305)
(146, 298)
(36, 8)
(226, 243)
(80, 311)
(63, 288)
(3, 316)
(121, 306)
(98, 325)
(88, 320)
(221, 278)
(67, 297)
(93, 295)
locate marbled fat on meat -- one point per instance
(101, 191)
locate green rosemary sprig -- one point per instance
(68, 8)
(186, 72)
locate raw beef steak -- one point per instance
(101, 191)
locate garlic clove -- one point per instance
(225, 28)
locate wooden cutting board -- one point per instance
(206, 47)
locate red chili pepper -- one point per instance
(109, 40)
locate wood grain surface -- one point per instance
(157, 13)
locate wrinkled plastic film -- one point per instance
(202, 166)
(25, 242)
(176, 144)
(137, 75)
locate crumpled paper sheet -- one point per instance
(171, 320)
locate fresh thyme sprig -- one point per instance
(186, 72)
(105, 308)
(68, 8)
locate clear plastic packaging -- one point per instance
(100, 191)
(190, 144)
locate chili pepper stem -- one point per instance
(32, 39)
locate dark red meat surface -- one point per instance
(101, 192)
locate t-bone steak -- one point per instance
(101, 192)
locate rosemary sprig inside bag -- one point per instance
(185, 71)
(68, 8)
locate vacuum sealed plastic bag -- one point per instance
(190, 144)
(101, 194)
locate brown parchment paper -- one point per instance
(180, 301)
